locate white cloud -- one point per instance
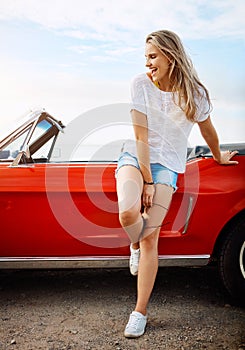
(121, 51)
(81, 49)
(122, 21)
(63, 95)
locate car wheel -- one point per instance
(232, 261)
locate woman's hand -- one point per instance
(210, 136)
(225, 158)
(148, 193)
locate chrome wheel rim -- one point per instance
(242, 259)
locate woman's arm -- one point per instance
(141, 135)
(210, 136)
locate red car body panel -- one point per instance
(70, 210)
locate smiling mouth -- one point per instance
(153, 71)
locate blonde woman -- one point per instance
(166, 102)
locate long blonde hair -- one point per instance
(182, 75)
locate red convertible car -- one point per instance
(58, 204)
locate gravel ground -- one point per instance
(88, 310)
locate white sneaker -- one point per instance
(134, 260)
(136, 325)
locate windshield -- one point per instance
(16, 144)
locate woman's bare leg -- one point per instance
(129, 191)
(148, 264)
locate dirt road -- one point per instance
(88, 310)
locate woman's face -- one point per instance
(158, 65)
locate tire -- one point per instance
(232, 261)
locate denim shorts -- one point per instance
(160, 174)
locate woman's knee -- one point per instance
(150, 241)
(127, 217)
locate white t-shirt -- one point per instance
(168, 127)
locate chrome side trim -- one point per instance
(188, 215)
(184, 260)
(97, 262)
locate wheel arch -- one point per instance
(224, 233)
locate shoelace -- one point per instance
(135, 258)
(134, 321)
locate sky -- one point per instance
(69, 57)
